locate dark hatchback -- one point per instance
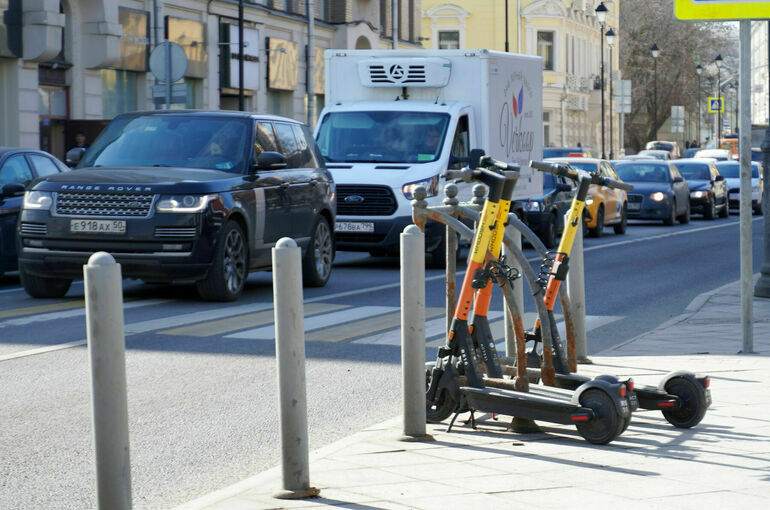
(18, 168)
(182, 196)
(545, 213)
(660, 191)
(708, 191)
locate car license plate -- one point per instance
(354, 226)
(634, 206)
(98, 226)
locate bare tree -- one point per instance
(682, 45)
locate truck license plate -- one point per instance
(354, 226)
(98, 226)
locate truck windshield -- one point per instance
(172, 140)
(382, 137)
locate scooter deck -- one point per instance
(540, 403)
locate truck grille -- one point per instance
(175, 232)
(414, 73)
(40, 229)
(365, 201)
(635, 198)
(135, 205)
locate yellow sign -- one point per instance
(716, 105)
(721, 9)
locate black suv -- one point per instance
(545, 213)
(182, 196)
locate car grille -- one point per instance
(635, 198)
(135, 205)
(175, 232)
(40, 229)
(371, 201)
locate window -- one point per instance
(15, 170)
(449, 40)
(289, 145)
(118, 92)
(546, 128)
(305, 157)
(545, 49)
(460, 142)
(43, 165)
(264, 139)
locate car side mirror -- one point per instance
(11, 189)
(678, 179)
(74, 156)
(563, 186)
(271, 161)
(719, 178)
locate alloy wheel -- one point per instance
(322, 249)
(234, 261)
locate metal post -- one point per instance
(612, 153)
(746, 210)
(451, 190)
(622, 131)
(168, 74)
(310, 68)
(413, 332)
(290, 363)
(395, 23)
(156, 21)
(576, 291)
(506, 28)
(655, 101)
(518, 290)
(241, 105)
(721, 106)
(698, 137)
(762, 289)
(106, 349)
(601, 49)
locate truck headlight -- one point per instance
(532, 206)
(589, 199)
(658, 196)
(40, 200)
(430, 184)
(183, 203)
(697, 194)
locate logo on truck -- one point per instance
(396, 72)
(516, 131)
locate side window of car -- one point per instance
(460, 142)
(305, 158)
(15, 170)
(289, 146)
(264, 139)
(43, 166)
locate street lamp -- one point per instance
(611, 42)
(718, 62)
(601, 16)
(698, 71)
(655, 53)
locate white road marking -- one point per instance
(21, 289)
(41, 350)
(64, 314)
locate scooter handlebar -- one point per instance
(560, 169)
(612, 183)
(488, 161)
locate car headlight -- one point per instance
(183, 203)
(430, 185)
(41, 200)
(589, 199)
(658, 196)
(698, 194)
(532, 206)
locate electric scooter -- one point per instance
(682, 396)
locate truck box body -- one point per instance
(383, 106)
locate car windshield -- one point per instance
(172, 140)
(653, 154)
(588, 167)
(642, 172)
(732, 170)
(382, 137)
(694, 171)
(560, 152)
(661, 146)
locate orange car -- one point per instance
(604, 206)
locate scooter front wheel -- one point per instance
(607, 423)
(441, 409)
(692, 403)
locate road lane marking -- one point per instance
(41, 350)
(39, 309)
(20, 289)
(365, 327)
(32, 319)
(250, 320)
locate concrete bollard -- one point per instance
(576, 291)
(106, 349)
(290, 361)
(413, 333)
(518, 290)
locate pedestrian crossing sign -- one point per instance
(721, 9)
(716, 105)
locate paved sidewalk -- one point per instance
(724, 462)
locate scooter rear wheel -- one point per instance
(692, 406)
(607, 423)
(444, 405)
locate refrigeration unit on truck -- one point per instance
(397, 119)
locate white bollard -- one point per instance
(106, 349)
(576, 291)
(413, 333)
(290, 361)
(518, 290)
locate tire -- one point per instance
(548, 233)
(38, 287)
(711, 212)
(672, 216)
(443, 408)
(598, 230)
(693, 407)
(607, 423)
(230, 267)
(620, 228)
(318, 259)
(724, 212)
(684, 219)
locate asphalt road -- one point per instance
(202, 393)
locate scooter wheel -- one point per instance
(626, 423)
(442, 409)
(607, 423)
(692, 407)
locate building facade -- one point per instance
(72, 65)
(759, 73)
(566, 33)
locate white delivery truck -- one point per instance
(397, 119)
